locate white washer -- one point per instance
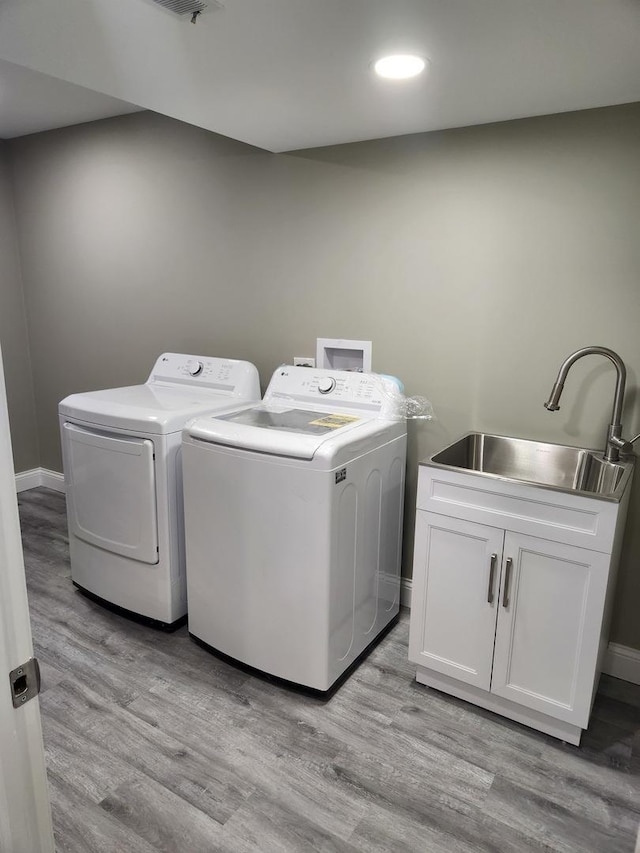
(294, 525)
(123, 477)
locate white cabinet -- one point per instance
(505, 614)
(453, 624)
(550, 611)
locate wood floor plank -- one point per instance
(418, 770)
(228, 721)
(351, 718)
(298, 780)
(266, 824)
(74, 704)
(383, 830)
(110, 676)
(43, 525)
(99, 771)
(49, 675)
(164, 820)
(468, 733)
(81, 826)
(418, 784)
(291, 773)
(182, 770)
(171, 657)
(558, 825)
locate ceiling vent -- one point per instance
(188, 7)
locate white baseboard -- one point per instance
(52, 480)
(622, 662)
(39, 477)
(28, 479)
(619, 661)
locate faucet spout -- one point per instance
(553, 403)
(614, 434)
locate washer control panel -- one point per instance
(335, 388)
(237, 378)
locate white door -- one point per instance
(549, 624)
(25, 819)
(455, 597)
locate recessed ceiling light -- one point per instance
(400, 67)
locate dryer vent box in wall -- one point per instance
(338, 354)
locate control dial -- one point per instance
(194, 368)
(326, 384)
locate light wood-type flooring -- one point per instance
(153, 744)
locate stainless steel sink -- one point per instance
(554, 466)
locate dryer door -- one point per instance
(111, 492)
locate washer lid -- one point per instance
(151, 408)
(296, 433)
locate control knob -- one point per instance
(194, 368)
(326, 384)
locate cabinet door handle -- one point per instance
(507, 579)
(492, 572)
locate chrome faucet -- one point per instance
(615, 442)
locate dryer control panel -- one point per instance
(332, 388)
(225, 375)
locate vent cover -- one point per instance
(184, 7)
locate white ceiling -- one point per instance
(289, 74)
(30, 102)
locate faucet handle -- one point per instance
(628, 445)
(622, 445)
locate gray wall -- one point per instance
(474, 259)
(13, 332)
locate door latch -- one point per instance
(25, 682)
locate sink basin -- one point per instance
(554, 466)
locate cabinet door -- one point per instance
(453, 610)
(549, 621)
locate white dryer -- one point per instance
(294, 525)
(123, 478)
